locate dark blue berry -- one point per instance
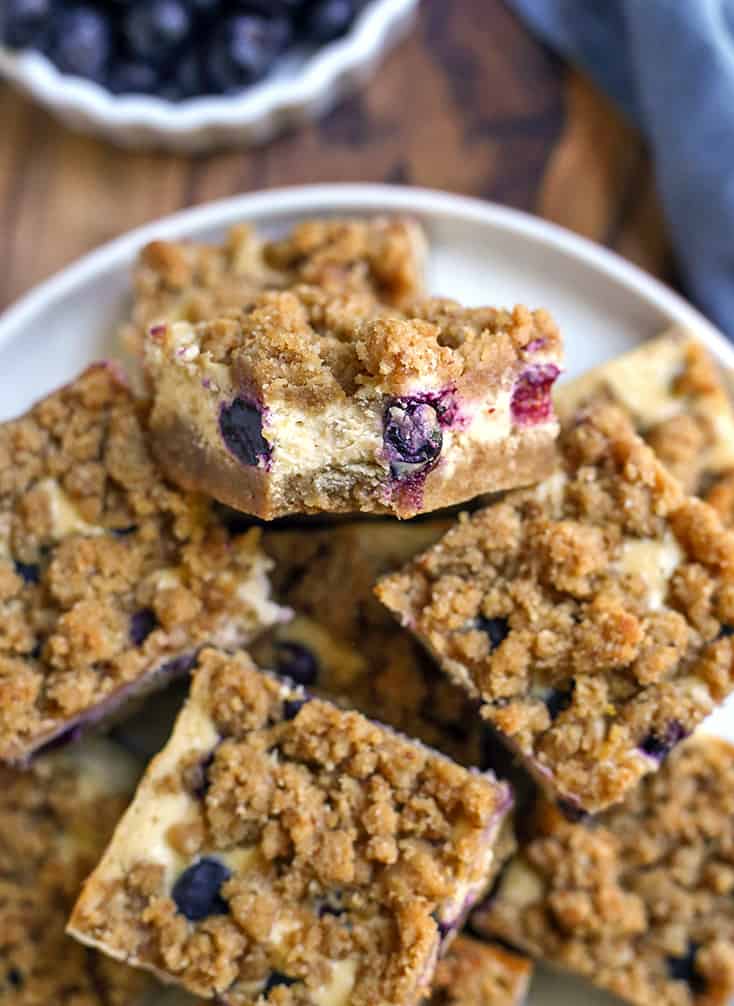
(292, 707)
(15, 978)
(683, 969)
(658, 745)
(81, 42)
(241, 426)
(200, 777)
(23, 23)
(412, 435)
(142, 624)
(36, 651)
(132, 78)
(571, 811)
(498, 629)
(243, 49)
(444, 928)
(297, 662)
(276, 978)
(327, 20)
(329, 908)
(29, 571)
(559, 699)
(154, 29)
(197, 891)
(726, 631)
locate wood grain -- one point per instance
(470, 103)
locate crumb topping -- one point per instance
(54, 823)
(106, 571)
(343, 845)
(639, 900)
(185, 281)
(314, 346)
(591, 615)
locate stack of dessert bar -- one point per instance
(443, 647)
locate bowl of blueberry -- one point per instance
(191, 75)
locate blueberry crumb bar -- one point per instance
(55, 821)
(280, 850)
(679, 402)
(639, 900)
(190, 281)
(592, 615)
(310, 401)
(110, 578)
(479, 973)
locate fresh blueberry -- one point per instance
(244, 48)
(276, 978)
(132, 78)
(531, 399)
(726, 631)
(658, 746)
(188, 78)
(297, 662)
(327, 20)
(124, 532)
(571, 811)
(197, 890)
(498, 629)
(683, 969)
(23, 22)
(241, 426)
(154, 29)
(81, 42)
(142, 624)
(559, 699)
(36, 651)
(411, 433)
(29, 571)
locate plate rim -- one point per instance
(325, 198)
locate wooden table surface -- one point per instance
(471, 103)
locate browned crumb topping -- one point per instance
(479, 974)
(102, 563)
(353, 837)
(359, 655)
(54, 825)
(720, 495)
(193, 282)
(640, 900)
(555, 607)
(314, 346)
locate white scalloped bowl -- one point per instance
(302, 87)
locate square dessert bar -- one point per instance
(55, 821)
(281, 850)
(110, 579)
(639, 900)
(344, 645)
(312, 402)
(476, 973)
(592, 615)
(188, 281)
(678, 400)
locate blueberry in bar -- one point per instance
(55, 821)
(282, 850)
(591, 616)
(638, 900)
(344, 645)
(678, 400)
(310, 402)
(110, 578)
(381, 258)
(478, 973)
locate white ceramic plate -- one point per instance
(480, 253)
(303, 86)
